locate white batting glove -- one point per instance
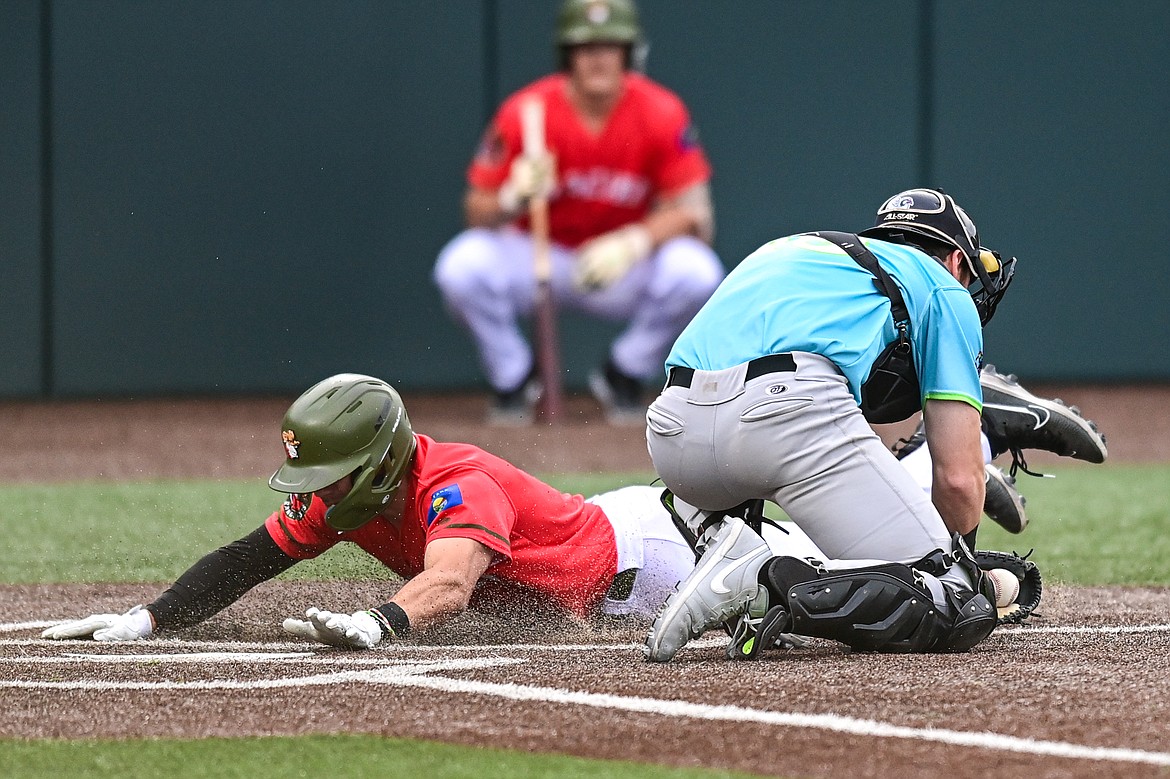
(131, 626)
(350, 631)
(609, 256)
(528, 177)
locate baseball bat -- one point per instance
(548, 350)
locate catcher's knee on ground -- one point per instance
(884, 608)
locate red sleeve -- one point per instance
(500, 144)
(299, 528)
(684, 161)
(474, 507)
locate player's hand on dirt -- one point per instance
(131, 626)
(359, 630)
(528, 178)
(609, 256)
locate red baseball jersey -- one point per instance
(544, 539)
(604, 181)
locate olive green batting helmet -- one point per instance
(598, 21)
(347, 424)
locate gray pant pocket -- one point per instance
(774, 407)
(661, 423)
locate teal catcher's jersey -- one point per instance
(805, 294)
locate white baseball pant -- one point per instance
(487, 282)
(648, 541)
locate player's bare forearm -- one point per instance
(957, 490)
(960, 503)
(687, 212)
(432, 598)
(443, 589)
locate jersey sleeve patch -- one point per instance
(688, 138)
(491, 151)
(442, 499)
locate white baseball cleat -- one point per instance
(723, 585)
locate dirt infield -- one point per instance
(1083, 690)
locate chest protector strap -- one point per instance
(891, 393)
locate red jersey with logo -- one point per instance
(604, 181)
(543, 539)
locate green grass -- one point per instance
(1090, 525)
(336, 757)
(151, 531)
(1094, 524)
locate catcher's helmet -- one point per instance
(934, 214)
(600, 21)
(347, 424)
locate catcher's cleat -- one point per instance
(1015, 419)
(516, 407)
(619, 394)
(750, 635)
(1003, 503)
(722, 586)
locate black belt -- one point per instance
(761, 366)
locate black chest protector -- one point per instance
(891, 393)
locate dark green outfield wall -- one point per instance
(217, 197)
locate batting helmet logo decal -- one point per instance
(598, 12)
(291, 444)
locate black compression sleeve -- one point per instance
(219, 579)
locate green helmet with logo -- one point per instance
(598, 21)
(347, 424)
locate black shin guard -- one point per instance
(884, 608)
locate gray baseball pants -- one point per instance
(799, 440)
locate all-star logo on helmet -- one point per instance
(934, 214)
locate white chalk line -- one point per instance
(12, 627)
(384, 675)
(292, 646)
(414, 674)
(161, 658)
(830, 722)
(1084, 630)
